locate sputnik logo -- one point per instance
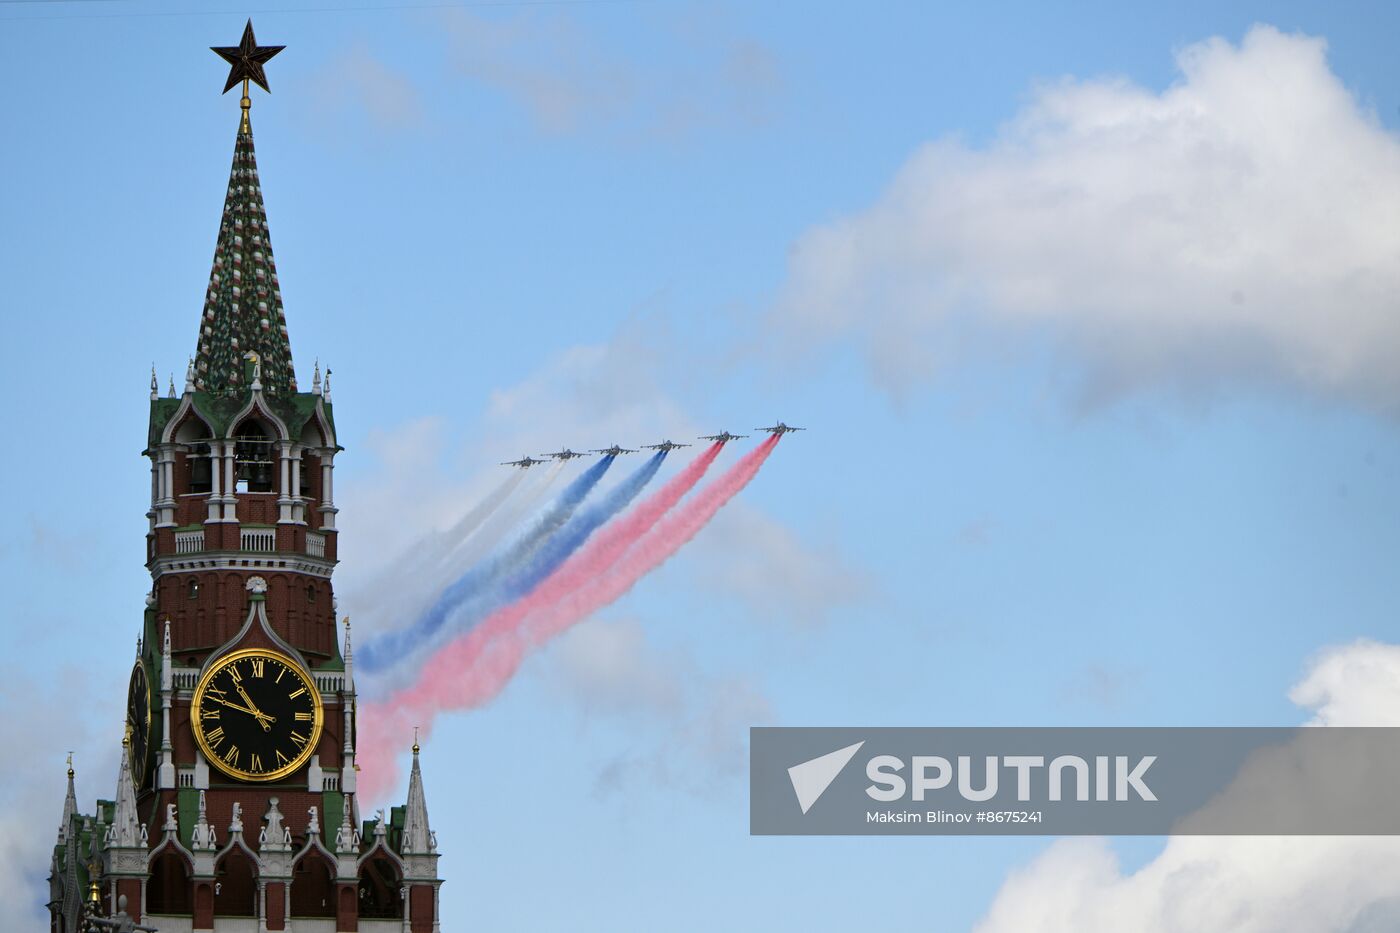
(810, 779)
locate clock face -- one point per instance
(138, 721)
(256, 715)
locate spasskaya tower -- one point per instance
(235, 802)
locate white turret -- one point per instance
(165, 777)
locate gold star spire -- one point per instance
(246, 62)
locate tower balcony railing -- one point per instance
(257, 539)
(261, 539)
(189, 542)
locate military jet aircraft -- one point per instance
(724, 437)
(613, 451)
(565, 454)
(780, 429)
(524, 462)
(664, 446)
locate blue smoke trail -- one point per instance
(560, 545)
(483, 578)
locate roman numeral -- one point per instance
(233, 672)
(217, 693)
(256, 764)
(300, 739)
(282, 759)
(231, 756)
(296, 693)
(258, 664)
(214, 738)
(210, 713)
(303, 717)
(280, 673)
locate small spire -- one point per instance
(275, 836)
(326, 386)
(417, 834)
(349, 657)
(203, 835)
(155, 388)
(171, 391)
(347, 837)
(189, 376)
(125, 831)
(316, 378)
(70, 805)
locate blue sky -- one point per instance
(1072, 474)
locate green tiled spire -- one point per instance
(243, 307)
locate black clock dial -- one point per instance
(256, 715)
(138, 721)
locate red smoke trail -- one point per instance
(476, 667)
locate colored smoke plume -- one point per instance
(475, 667)
(481, 581)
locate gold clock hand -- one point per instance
(262, 721)
(262, 718)
(247, 699)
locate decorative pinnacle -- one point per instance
(415, 740)
(70, 764)
(155, 389)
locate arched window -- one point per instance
(381, 895)
(201, 474)
(310, 475)
(236, 886)
(168, 890)
(313, 887)
(252, 455)
(194, 434)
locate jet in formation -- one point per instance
(724, 437)
(565, 454)
(780, 429)
(613, 451)
(524, 462)
(665, 446)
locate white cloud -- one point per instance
(355, 85)
(747, 555)
(700, 721)
(1239, 884)
(606, 665)
(1241, 224)
(569, 79)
